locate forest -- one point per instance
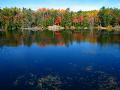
(17, 18)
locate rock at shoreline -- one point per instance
(55, 28)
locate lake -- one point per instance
(84, 60)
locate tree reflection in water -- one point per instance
(63, 38)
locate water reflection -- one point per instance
(64, 38)
(81, 60)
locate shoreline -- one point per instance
(72, 28)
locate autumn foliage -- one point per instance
(78, 19)
(16, 18)
(58, 20)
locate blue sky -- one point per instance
(62, 4)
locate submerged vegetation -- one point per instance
(66, 82)
(16, 18)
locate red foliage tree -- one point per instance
(75, 20)
(78, 19)
(58, 20)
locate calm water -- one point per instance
(59, 61)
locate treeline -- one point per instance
(16, 18)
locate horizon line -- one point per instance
(57, 8)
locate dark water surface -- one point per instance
(59, 61)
